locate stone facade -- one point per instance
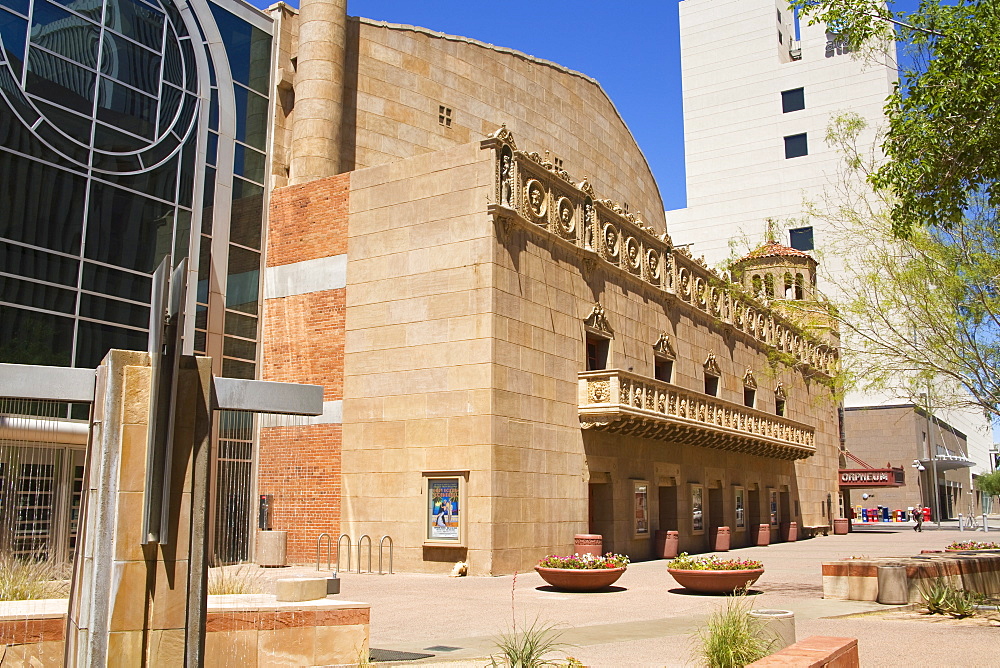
(514, 332)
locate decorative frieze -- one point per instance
(532, 191)
(619, 401)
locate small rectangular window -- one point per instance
(444, 116)
(801, 238)
(663, 369)
(749, 397)
(781, 38)
(597, 353)
(779, 14)
(779, 407)
(793, 100)
(712, 385)
(796, 146)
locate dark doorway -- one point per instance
(753, 516)
(602, 516)
(669, 516)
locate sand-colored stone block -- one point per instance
(135, 403)
(125, 648)
(300, 589)
(231, 649)
(129, 527)
(166, 648)
(341, 644)
(129, 594)
(286, 647)
(169, 596)
(132, 462)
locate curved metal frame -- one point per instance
(339, 541)
(329, 549)
(369, 553)
(380, 542)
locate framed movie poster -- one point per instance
(443, 509)
(741, 518)
(697, 507)
(640, 494)
(773, 506)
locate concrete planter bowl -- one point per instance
(580, 579)
(715, 582)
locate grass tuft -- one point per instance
(733, 638)
(26, 579)
(242, 579)
(527, 647)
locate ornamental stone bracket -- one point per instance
(620, 402)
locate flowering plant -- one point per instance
(973, 545)
(685, 562)
(585, 561)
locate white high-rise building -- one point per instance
(760, 89)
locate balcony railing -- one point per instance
(622, 402)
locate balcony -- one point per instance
(625, 403)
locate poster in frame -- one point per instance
(444, 510)
(739, 501)
(772, 495)
(697, 509)
(640, 495)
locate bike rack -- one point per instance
(339, 552)
(329, 549)
(381, 541)
(366, 536)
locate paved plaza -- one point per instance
(649, 621)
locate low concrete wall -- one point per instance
(243, 631)
(857, 579)
(815, 652)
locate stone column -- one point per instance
(319, 90)
(133, 604)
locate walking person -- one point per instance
(918, 517)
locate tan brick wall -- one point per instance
(398, 77)
(303, 340)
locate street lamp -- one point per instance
(920, 485)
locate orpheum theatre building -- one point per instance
(468, 250)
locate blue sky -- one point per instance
(632, 48)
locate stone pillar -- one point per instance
(319, 90)
(133, 604)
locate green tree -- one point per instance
(989, 483)
(943, 138)
(920, 315)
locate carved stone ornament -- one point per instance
(653, 264)
(779, 391)
(586, 187)
(504, 135)
(633, 252)
(534, 196)
(600, 392)
(749, 380)
(566, 218)
(598, 322)
(506, 178)
(611, 241)
(663, 348)
(711, 366)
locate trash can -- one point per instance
(271, 549)
(720, 539)
(779, 625)
(789, 531)
(892, 586)
(763, 535)
(589, 543)
(841, 525)
(666, 544)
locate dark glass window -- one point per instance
(182, 235)
(131, 64)
(43, 204)
(749, 397)
(249, 163)
(212, 148)
(126, 109)
(160, 182)
(597, 353)
(57, 30)
(36, 295)
(60, 81)
(213, 110)
(712, 385)
(37, 264)
(116, 283)
(109, 139)
(76, 126)
(239, 348)
(248, 212)
(31, 337)
(173, 70)
(779, 407)
(170, 102)
(238, 324)
(112, 310)
(136, 20)
(793, 100)
(242, 282)
(248, 48)
(796, 146)
(94, 340)
(801, 238)
(127, 230)
(189, 155)
(663, 369)
(13, 31)
(237, 369)
(17, 5)
(251, 117)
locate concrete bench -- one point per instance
(811, 530)
(814, 652)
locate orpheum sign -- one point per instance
(871, 477)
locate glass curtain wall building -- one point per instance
(130, 130)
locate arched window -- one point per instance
(799, 293)
(757, 285)
(788, 285)
(769, 284)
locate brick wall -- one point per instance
(303, 338)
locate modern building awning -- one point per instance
(949, 462)
(622, 402)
